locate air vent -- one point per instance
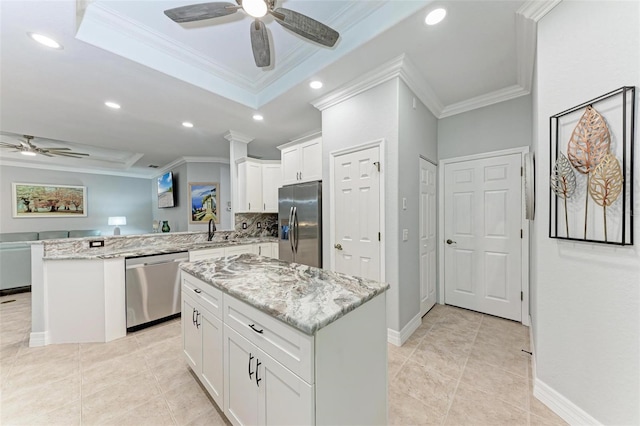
(153, 166)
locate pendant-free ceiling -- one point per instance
(291, 20)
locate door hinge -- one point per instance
(521, 295)
(379, 237)
(377, 164)
(521, 234)
(521, 171)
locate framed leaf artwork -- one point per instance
(591, 170)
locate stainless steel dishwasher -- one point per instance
(152, 288)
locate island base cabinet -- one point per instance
(259, 390)
(202, 338)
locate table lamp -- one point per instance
(117, 221)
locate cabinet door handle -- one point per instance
(250, 372)
(193, 316)
(197, 323)
(257, 365)
(197, 290)
(253, 327)
(264, 206)
(249, 206)
(259, 251)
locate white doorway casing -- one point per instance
(428, 244)
(522, 249)
(363, 155)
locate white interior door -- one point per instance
(482, 230)
(427, 236)
(357, 213)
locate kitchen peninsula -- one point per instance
(78, 284)
(283, 343)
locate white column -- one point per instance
(237, 149)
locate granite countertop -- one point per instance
(159, 248)
(304, 297)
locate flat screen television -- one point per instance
(166, 197)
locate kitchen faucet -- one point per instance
(212, 229)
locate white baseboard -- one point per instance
(560, 405)
(399, 337)
(555, 401)
(39, 338)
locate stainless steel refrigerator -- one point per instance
(300, 223)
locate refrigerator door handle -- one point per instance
(295, 220)
(291, 228)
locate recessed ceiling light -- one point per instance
(112, 105)
(29, 153)
(187, 124)
(47, 41)
(435, 16)
(315, 84)
(258, 117)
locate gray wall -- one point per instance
(386, 111)
(369, 116)
(106, 196)
(178, 216)
(492, 128)
(417, 137)
(586, 316)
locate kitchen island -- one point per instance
(283, 343)
(78, 286)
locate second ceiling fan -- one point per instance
(294, 21)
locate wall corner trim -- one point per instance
(398, 338)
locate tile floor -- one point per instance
(459, 368)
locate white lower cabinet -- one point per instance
(261, 371)
(202, 334)
(259, 390)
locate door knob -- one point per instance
(338, 246)
(450, 241)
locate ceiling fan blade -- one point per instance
(66, 154)
(306, 27)
(9, 145)
(260, 44)
(198, 12)
(58, 149)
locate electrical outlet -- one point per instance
(258, 225)
(96, 243)
(244, 225)
(405, 234)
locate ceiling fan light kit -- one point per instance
(26, 147)
(298, 23)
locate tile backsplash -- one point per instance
(268, 223)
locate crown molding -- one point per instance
(304, 138)
(536, 9)
(382, 74)
(487, 99)
(142, 174)
(401, 67)
(233, 136)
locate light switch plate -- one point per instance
(405, 234)
(404, 203)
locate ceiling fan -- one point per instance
(294, 21)
(26, 147)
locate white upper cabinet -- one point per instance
(271, 181)
(258, 183)
(301, 161)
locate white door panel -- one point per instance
(357, 213)
(483, 214)
(427, 229)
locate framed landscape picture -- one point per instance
(204, 201)
(42, 200)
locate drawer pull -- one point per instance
(257, 365)
(250, 372)
(193, 316)
(197, 290)
(253, 327)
